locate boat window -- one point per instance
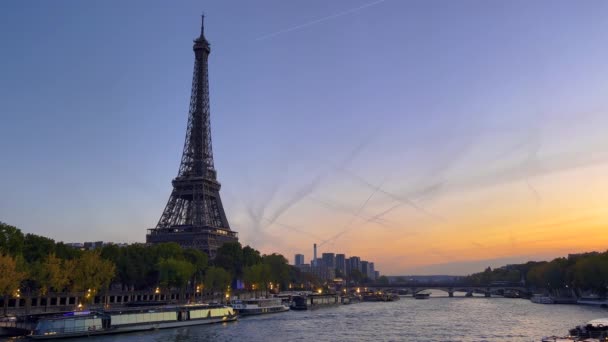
(69, 325)
(79, 324)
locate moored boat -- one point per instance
(422, 295)
(86, 323)
(313, 301)
(541, 299)
(594, 330)
(258, 306)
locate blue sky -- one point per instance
(325, 115)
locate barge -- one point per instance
(259, 306)
(88, 323)
(314, 301)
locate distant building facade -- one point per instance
(329, 260)
(299, 259)
(341, 263)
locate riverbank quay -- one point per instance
(69, 301)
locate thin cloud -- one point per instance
(316, 21)
(308, 189)
(348, 227)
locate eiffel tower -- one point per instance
(194, 216)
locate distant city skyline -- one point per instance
(431, 138)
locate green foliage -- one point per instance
(279, 269)
(54, 273)
(251, 256)
(37, 248)
(174, 272)
(383, 280)
(167, 250)
(90, 271)
(230, 257)
(46, 266)
(217, 279)
(356, 276)
(199, 261)
(258, 276)
(588, 271)
(10, 275)
(489, 275)
(591, 273)
(64, 251)
(11, 240)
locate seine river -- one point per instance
(434, 319)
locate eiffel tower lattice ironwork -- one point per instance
(194, 216)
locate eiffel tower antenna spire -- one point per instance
(194, 216)
(203, 24)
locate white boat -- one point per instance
(541, 299)
(86, 323)
(259, 306)
(594, 330)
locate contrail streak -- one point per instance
(295, 229)
(334, 206)
(307, 189)
(347, 226)
(316, 21)
(396, 197)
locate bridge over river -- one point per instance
(488, 289)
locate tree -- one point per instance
(91, 272)
(258, 276)
(217, 279)
(279, 269)
(230, 257)
(251, 256)
(11, 240)
(174, 272)
(37, 248)
(167, 250)
(64, 251)
(53, 274)
(10, 278)
(591, 273)
(383, 280)
(356, 276)
(199, 261)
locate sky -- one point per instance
(430, 137)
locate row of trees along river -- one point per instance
(40, 265)
(582, 273)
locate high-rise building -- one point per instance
(365, 268)
(354, 263)
(329, 260)
(341, 263)
(299, 259)
(194, 216)
(372, 271)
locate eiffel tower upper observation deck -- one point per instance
(194, 216)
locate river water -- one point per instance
(434, 319)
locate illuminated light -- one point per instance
(157, 291)
(358, 290)
(320, 291)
